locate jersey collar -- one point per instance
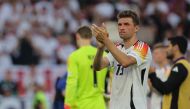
(179, 59)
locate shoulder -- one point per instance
(141, 46)
(179, 67)
(73, 55)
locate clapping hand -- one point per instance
(100, 33)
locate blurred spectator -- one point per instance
(46, 19)
(33, 77)
(40, 100)
(8, 41)
(46, 45)
(48, 80)
(26, 53)
(21, 87)
(60, 94)
(10, 102)
(162, 71)
(104, 9)
(8, 86)
(64, 49)
(157, 6)
(8, 92)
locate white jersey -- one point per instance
(129, 85)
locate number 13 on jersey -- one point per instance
(119, 70)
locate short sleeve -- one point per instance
(139, 52)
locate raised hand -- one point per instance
(100, 32)
(100, 45)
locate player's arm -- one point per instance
(71, 83)
(100, 62)
(177, 76)
(123, 59)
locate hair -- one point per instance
(180, 41)
(130, 14)
(159, 45)
(85, 32)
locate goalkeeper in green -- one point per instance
(84, 87)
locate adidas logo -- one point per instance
(175, 69)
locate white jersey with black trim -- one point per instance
(129, 85)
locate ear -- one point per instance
(176, 47)
(77, 36)
(137, 28)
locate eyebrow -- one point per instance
(124, 23)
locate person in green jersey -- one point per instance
(40, 100)
(84, 86)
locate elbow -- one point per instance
(124, 64)
(164, 90)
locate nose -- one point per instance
(121, 26)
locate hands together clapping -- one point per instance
(100, 33)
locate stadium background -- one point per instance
(36, 37)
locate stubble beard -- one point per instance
(125, 38)
(170, 56)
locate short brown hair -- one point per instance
(85, 32)
(131, 14)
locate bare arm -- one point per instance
(121, 57)
(100, 62)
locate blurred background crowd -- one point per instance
(37, 36)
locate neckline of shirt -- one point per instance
(123, 47)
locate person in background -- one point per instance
(8, 86)
(9, 92)
(60, 92)
(176, 88)
(84, 86)
(162, 71)
(40, 100)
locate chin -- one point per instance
(124, 37)
(121, 37)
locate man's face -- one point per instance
(126, 28)
(170, 51)
(159, 55)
